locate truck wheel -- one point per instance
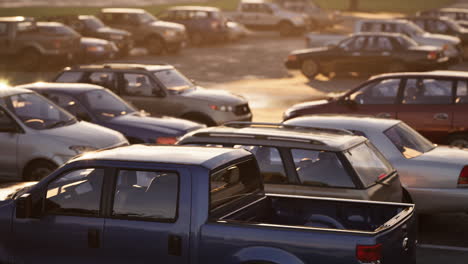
(310, 69)
(196, 39)
(286, 28)
(38, 170)
(29, 60)
(396, 67)
(155, 45)
(460, 141)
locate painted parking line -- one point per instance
(430, 246)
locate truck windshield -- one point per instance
(145, 18)
(106, 105)
(234, 182)
(368, 163)
(409, 142)
(174, 81)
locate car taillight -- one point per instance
(57, 43)
(166, 140)
(369, 254)
(432, 55)
(463, 178)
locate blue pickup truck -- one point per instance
(181, 204)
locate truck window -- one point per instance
(368, 163)
(146, 194)
(233, 183)
(75, 192)
(105, 79)
(70, 77)
(320, 168)
(136, 84)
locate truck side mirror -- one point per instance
(24, 206)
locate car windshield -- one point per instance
(174, 81)
(145, 18)
(368, 163)
(407, 42)
(409, 142)
(93, 23)
(36, 112)
(106, 105)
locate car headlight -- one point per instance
(116, 37)
(223, 108)
(82, 149)
(95, 49)
(170, 33)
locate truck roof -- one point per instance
(123, 66)
(278, 134)
(123, 10)
(209, 158)
(72, 88)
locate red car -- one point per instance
(433, 103)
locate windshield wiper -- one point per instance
(60, 122)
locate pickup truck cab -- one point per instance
(264, 15)
(143, 203)
(21, 40)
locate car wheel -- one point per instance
(310, 69)
(460, 141)
(155, 45)
(29, 59)
(196, 39)
(396, 67)
(286, 28)
(38, 170)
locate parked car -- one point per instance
(99, 105)
(191, 204)
(295, 160)
(318, 17)
(37, 136)
(367, 52)
(162, 90)
(265, 15)
(450, 45)
(91, 49)
(457, 14)
(435, 177)
(153, 34)
(22, 43)
(203, 24)
(93, 27)
(236, 30)
(433, 103)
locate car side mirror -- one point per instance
(24, 206)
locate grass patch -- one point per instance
(404, 6)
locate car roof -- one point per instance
(70, 88)
(123, 10)
(122, 66)
(277, 134)
(385, 20)
(9, 91)
(383, 34)
(195, 8)
(49, 24)
(209, 158)
(458, 74)
(352, 122)
(252, 1)
(15, 19)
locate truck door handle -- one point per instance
(441, 116)
(174, 245)
(94, 240)
(384, 115)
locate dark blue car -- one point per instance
(99, 105)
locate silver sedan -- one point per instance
(435, 177)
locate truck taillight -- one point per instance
(432, 55)
(463, 178)
(166, 140)
(369, 254)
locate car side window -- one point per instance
(138, 85)
(70, 77)
(320, 168)
(70, 104)
(105, 79)
(270, 163)
(75, 192)
(146, 194)
(3, 28)
(384, 43)
(427, 91)
(462, 92)
(379, 92)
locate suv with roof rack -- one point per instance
(297, 160)
(160, 89)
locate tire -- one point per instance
(397, 67)
(196, 39)
(286, 28)
(38, 170)
(310, 68)
(459, 140)
(155, 45)
(199, 118)
(29, 60)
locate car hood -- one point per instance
(168, 25)
(87, 134)
(307, 51)
(8, 189)
(114, 31)
(218, 97)
(309, 104)
(441, 38)
(93, 41)
(164, 124)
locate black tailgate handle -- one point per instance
(94, 240)
(174, 245)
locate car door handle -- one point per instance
(384, 115)
(174, 245)
(441, 116)
(94, 240)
